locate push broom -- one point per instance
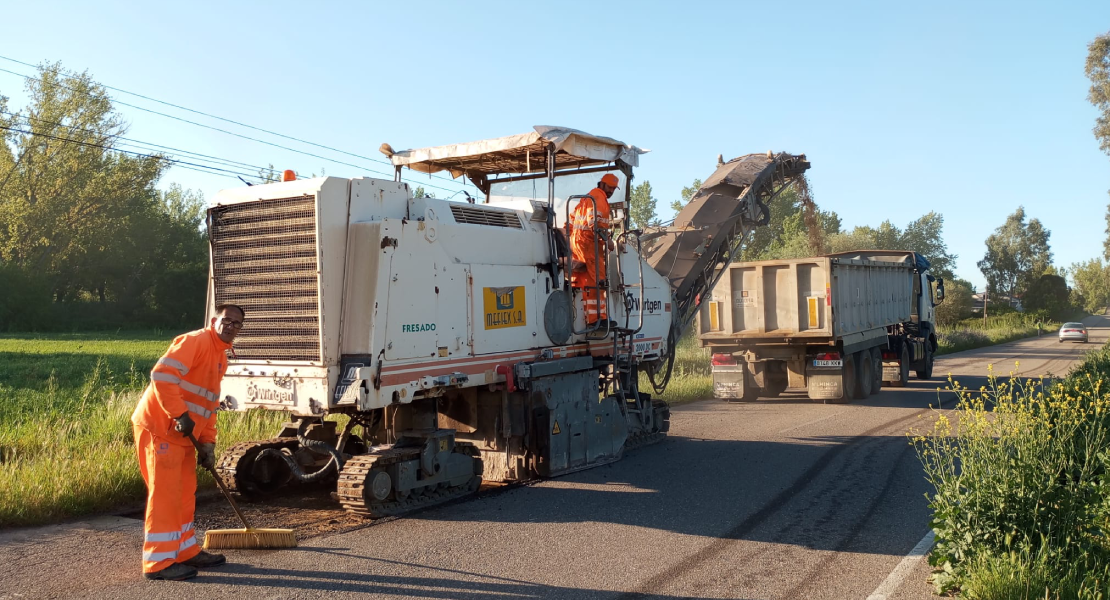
(243, 538)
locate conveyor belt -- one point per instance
(708, 233)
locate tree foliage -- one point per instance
(641, 206)
(1049, 293)
(687, 193)
(1017, 254)
(84, 221)
(1106, 241)
(1091, 285)
(1098, 71)
(957, 302)
(924, 235)
(787, 235)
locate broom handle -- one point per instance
(223, 487)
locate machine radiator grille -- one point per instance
(264, 259)
(473, 215)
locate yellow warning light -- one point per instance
(288, 175)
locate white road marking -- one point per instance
(899, 573)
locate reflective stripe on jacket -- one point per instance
(186, 379)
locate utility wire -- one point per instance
(139, 154)
(140, 144)
(242, 125)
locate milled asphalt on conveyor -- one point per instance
(771, 499)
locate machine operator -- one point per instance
(590, 217)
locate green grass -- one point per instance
(66, 447)
(975, 333)
(692, 378)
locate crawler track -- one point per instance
(238, 469)
(352, 485)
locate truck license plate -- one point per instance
(828, 363)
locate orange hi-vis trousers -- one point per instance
(169, 471)
(594, 304)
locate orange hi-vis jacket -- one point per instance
(582, 243)
(186, 379)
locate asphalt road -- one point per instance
(773, 499)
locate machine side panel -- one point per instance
(507, 311)
(412, 313)
(575, 430)
(360, 302)
(377, 199)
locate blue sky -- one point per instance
(969, 109)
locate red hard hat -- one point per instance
(610, 179)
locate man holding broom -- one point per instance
(180, 401)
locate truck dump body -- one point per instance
(822, 299)
(838, 326)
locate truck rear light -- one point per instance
(723, 359)
(828, 356)
(890, 355)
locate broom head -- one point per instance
(249, 538)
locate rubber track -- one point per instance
(232, 458)
(352, 483)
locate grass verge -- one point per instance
(66, 447)
(1021, 472)
(977, 333)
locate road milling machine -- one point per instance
(423, 344)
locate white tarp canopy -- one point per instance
(522, 153)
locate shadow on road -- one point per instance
(366, 579)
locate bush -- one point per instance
(1022, 482)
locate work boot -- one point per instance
(174, 572)
(205, 560)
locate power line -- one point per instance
(141, 144)
(139, 154)
(464, 184)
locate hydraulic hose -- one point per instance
(315, 446)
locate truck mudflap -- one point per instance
(729, 381)
(825, 382)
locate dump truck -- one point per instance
(839, 326)
(420, 345)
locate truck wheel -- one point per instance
(926, 372)
(864, 375)
(848, 381)
(877, 370)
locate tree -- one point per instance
(1017, 254)
(687, 194)
(1098, 71)
(68, 201)
(420, 193)
(924, 235)
(641, 206)
(957, 302)
(1091, 284)
(1106, 242)
(790, 234)
(267, 174)
(1049, 293)
(82, 222)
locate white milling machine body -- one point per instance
(446, 331)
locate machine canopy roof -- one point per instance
(522, 153)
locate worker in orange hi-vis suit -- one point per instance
(590, 214)
(181, 399)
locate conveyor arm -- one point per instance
(709, 231)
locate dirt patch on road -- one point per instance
(311, 512)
